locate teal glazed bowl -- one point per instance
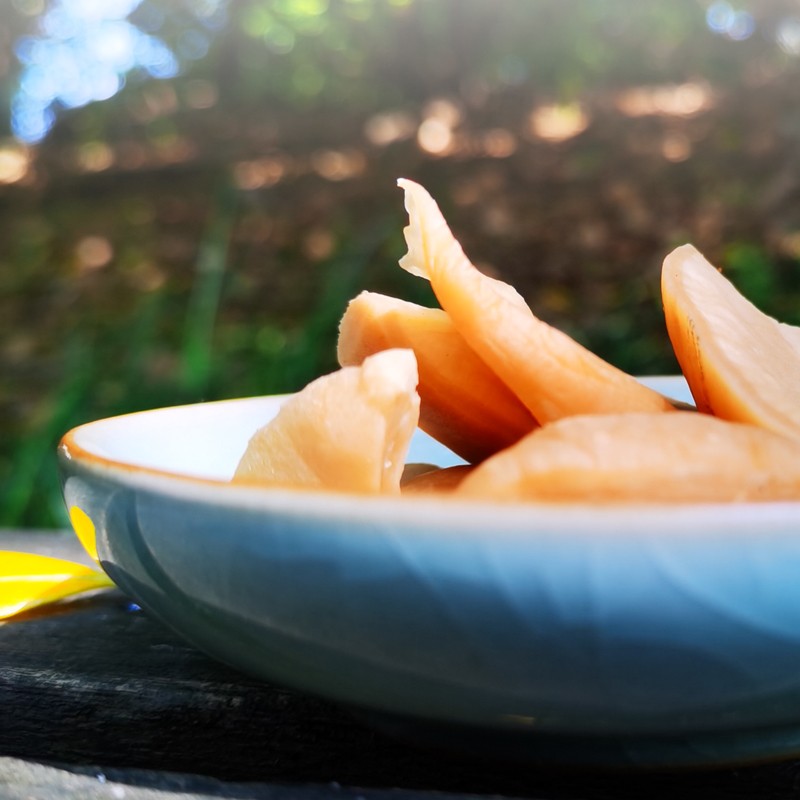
(594, 634)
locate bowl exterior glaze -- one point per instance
(580, 621)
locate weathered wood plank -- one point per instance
(99, 683)
(24, 780)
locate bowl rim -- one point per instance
(445, 512)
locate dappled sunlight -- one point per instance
(435, 136)
(788, 35)
(94, 156)
(260, 173)
(93, 252)
(174, 149)
(676, 146)
(318, 244)
(339, 165)
(388, 127)
(147, 277)
(790, 244)
(154, 101)
(15, 163)
(499, 143)
(670, 100)
(201, 94)
(558, 122)
(436, 133)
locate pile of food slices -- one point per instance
(536, 416)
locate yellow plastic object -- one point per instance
(84, 530)
(28, 580)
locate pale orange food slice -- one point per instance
(679, 457)
(464, 405)
(347, 431)
(437, 480)
(739, 363)
(792, 334)
(550, 372)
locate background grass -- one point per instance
(198, 237)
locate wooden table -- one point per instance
(99, 701)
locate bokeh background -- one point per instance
(191, 190)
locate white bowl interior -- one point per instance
(206, 440)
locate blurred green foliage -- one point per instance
(198, 237)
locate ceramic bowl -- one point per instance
(656, 635)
